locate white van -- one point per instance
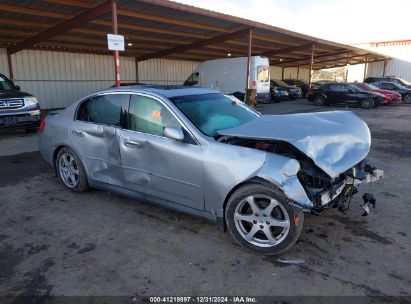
(228, 75)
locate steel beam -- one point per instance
(310, 71)
(385, 67)
(315, 57)
(115, 32)
(63, 27)
(250, 38)
(365, 67)
(198, 44)
(286, 50)
(11, 76)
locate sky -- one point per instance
(344, 21)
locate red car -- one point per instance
(390, 96)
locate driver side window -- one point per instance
(192, 80)
(149, 116)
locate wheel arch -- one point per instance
(56, 152)
(254, 180)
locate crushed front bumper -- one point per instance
(329, 195)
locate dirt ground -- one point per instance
(57, 242)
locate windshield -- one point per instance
(355, 88)
(214, 112)
(281, 83)
(372, 87)
(5, 84)
(361, 86)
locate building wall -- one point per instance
(163, 71)
(59, 78)
(395, 67)
(289, 73)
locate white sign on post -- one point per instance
(115, 42)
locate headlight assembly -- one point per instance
(28, 101)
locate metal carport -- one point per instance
(162, 29)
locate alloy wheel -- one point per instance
(262, 220)
(68, 170)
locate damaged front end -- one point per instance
(307, 185)
(330, 148)
(325, 192)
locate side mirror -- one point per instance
(174, 133)
(17, 87)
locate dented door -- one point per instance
(156, 165)
(94, 136)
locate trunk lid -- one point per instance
(335, 141)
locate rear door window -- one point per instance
(107, 109)
(263, 73)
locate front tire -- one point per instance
(260, 219)
(70, 170)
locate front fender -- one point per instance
(282, 172)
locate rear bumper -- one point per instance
(22, 119)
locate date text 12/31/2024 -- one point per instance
(203, 299)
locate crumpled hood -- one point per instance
(335, 141)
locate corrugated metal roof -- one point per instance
(153, 25)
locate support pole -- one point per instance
(365, 67)
(385, 67)
(11, 76)
(115, 31)
(250, 37)
(282, 74)
(311, 67)
(136, 61)
(298, 69)
(348, 66)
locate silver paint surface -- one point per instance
(200, 176)
(335, 141)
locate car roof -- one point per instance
(167, 91)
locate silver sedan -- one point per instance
(199, 151)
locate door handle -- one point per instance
(133, 144)
(78, 133)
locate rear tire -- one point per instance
(70, 170)
(260, 219)
(367, 103)
(319, 100)
(407, 99)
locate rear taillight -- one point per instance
(42, 124)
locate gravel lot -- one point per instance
(57, 242)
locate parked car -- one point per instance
(392, 86)
(302, 84)
(390, 96)
(208, 154)
(344, 94)
(397, 80)
(279, 94)
(18, 109)
(293, 91)
(229, 76)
